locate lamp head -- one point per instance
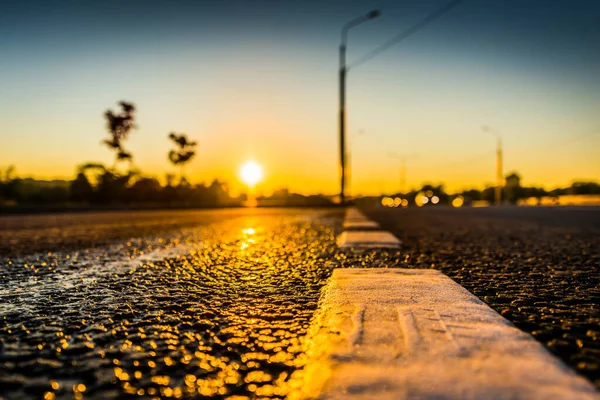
(373, 14)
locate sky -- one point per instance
(257, 80)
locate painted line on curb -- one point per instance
(359, 224)
(415, 333)
(361, 233)
(354, 212)
(367, 240)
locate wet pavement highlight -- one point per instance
(225, 318)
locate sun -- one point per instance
(251, 173)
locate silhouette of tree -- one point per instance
(123, 155)
(108, 186)
(185, 151)
(584, 188)
(81, 189)
(219, 190)
(92, 171)
(114, 188)
(8, 174)
(472, 194)
(488, 194)
(119, 127)
(146, 190)
(7, 184)
(168, 192)
(169, 178)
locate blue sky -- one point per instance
(257, 79)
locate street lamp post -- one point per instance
(402, 159)
(342, 106)
(499, 172)
(403, 175)
(349, 166)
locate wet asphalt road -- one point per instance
(216, 308)
(216, 303)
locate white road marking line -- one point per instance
(360, 233)
(359, 224)
(354, 213)
(367, 239)
(416, 334)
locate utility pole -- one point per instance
(402, 158)
(342, 121)
(349, 188)
(499, 173)
(403, 175)
(499, 177)
(342, 105)
(344, 70)
(348, 193)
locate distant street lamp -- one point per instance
(402, 159)
(342, 107)
(499, 173)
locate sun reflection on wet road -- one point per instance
(223, 317)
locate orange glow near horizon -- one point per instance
(271, 93)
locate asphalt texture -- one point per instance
(27, 234)
(538, 267)
(216, 303)
(217, 308)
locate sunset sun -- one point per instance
(251, 173)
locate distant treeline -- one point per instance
(511, 194)
(96, 185)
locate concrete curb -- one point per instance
(361, 233)
(416, 334)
